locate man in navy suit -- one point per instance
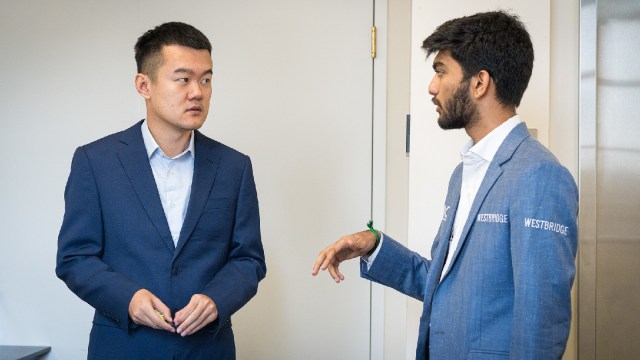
(502, 264)
(161, 232)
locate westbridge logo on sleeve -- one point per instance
(546, 225)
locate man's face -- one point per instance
(451, 94)
(178, 98)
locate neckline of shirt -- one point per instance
(488, 146)
(152, 146)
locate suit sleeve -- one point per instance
(81, 244)
(399, 268)
(405, 270)
(543, 248)
(237, 282)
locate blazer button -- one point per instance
(175, 271)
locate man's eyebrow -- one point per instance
(191, 72)
(183, 70)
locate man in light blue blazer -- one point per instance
(161, 231)
(503, 261)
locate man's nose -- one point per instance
(433, 86)
(195, 91)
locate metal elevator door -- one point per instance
(609, 260)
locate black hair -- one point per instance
(497, 42)
(148, 48)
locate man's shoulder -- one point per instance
(107, 142)
(532, 160)
(533, 151)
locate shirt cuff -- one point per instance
(371, 258)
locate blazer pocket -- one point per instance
(219, 203)
(102, 320)
(217, 218)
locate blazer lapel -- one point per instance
(134, 160)
(451, 207)
(439, 255)
(504, 153)
(205, 168)
(450, 210)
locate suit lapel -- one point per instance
(504, 153)
(439, 256)
(134, 160)
(453, 199)
(205, 168)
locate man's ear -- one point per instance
(143, 84)
(480, 84)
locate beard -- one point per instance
(459, 111)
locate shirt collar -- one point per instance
(488, 146)
(152, 146)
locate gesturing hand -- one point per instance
(198, 313)
(144, 308)
(348, 247)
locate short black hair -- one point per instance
(148, 48)
(497, 42)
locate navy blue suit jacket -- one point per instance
(115, 240)
(508, 291)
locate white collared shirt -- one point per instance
(173, 178)
(475, 163)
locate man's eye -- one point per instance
(205, 81)
(183, 80)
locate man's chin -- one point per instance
(194, 124)
(446, 124)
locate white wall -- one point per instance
(52, 100)
(295, 96)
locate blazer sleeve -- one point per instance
(397, 267)
(543, 248)
(407, 271)
(81, 244)
(237, 281)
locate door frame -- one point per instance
(379, 168)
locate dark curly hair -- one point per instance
(149, 46)
(493, 41)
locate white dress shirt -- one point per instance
(173, 178)
(475, 162)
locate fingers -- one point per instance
(163, 313)
(335, 273)
(324, 260)
(200, 312)
(327, 261)
(147, 310)
(331, 257)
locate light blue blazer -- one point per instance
(115, 240)
(507, 293)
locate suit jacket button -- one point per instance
(175, 271)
